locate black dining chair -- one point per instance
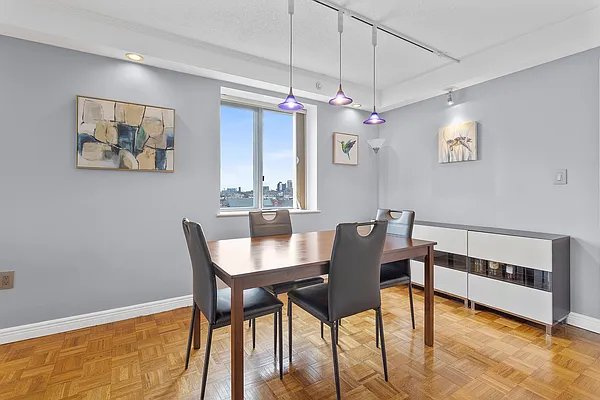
(215, 303)
(280, 224)
(400, 223)
(352, 287)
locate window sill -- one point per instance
(224, 214)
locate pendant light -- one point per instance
(290, 103)
(374, 118)
(340, 98)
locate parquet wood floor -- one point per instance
(477, 355)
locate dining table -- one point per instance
(246, 263)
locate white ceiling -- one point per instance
(247, 42)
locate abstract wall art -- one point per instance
(345, 149)
(458, 143)
(118, 135)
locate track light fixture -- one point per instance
(450, 99)
(340, 98)
(374, 118)
(290, 103)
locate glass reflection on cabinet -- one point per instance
(518, 275)
(448, 260)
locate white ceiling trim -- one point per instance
(47, 22)
(165, 50)
(573, 35)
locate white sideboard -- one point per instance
(526, 274)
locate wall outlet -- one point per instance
(7, 280)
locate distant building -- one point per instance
(289, 184)
(280, 187)
(265, 189)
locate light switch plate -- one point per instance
(560, 177)
(7, 279)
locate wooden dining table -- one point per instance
(255, 262)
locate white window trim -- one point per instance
(250, 99)
(224, 213)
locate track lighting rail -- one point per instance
(389, 31)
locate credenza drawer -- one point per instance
(444, 279)
(522, 251)
(529, 303)
(448, 240)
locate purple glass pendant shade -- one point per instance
(340, 98)
(374, 119)
(290, 103)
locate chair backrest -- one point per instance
(400, 223)
(354, 269)
(203, 273)
(260, 226)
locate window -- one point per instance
(262, 157)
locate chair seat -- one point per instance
(395, 273)
(312, 299)
(257, 302)
(285, 287)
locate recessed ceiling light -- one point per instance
(356, 105)
(134, 57)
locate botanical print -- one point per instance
(345, 149)
(458, 143)
(124, 136)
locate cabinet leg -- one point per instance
(473, 305)
(549, 330)
(466, 303)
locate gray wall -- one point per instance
(530, 124)
(82, 240)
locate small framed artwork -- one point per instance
(345, 148)
(457, 143)
(117, 135)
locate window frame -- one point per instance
(258, 109)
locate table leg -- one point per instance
(237, 341)
(197, 327)
(428, 287)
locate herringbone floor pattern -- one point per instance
(479, 355)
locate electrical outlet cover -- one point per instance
(7, 280)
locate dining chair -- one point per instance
(352, 287)
(215, 303)
(280, 224)
(400, 223)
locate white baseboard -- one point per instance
(584, 322)
(23, 332)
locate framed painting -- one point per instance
(117, 135)
(345, 148)
(457, 143)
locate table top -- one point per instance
(236, 258)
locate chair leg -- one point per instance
(189, 343)
(206, 359)
(289, 315)
(412, 307)
(383, 355)
(275, 334)
(336, 370)
(254, 335)
(337, 332)
(321, 330)
(280, 343)
(376, 330)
